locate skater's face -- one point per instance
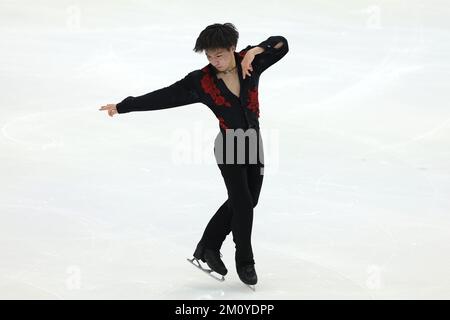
(221, 59)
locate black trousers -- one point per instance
(243, 183)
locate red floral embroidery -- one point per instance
(222, 123)
(210, 88)
(253, 103)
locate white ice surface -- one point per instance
(355, 201)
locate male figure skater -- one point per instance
(228, 86)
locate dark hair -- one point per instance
(217, 36)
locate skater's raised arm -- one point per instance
(266, 53)
(180, 93)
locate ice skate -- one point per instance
(212, 259)
(247, 274)
(194, 261)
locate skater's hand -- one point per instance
(246, 64)
(111, 108)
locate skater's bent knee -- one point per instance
(255, 200)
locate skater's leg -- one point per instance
(218, 227)
(241, 203)
(220, 224)
(255, 179)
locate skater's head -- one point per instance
(219, 42)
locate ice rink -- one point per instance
(356, 125)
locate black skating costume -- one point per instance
(243, 180)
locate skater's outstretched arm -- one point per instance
(180, 93)
(265, 54)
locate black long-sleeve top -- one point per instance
(203, 86)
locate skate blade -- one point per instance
(251, 286)
(198, 265)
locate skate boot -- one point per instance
(247, 274)
(212, 259)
